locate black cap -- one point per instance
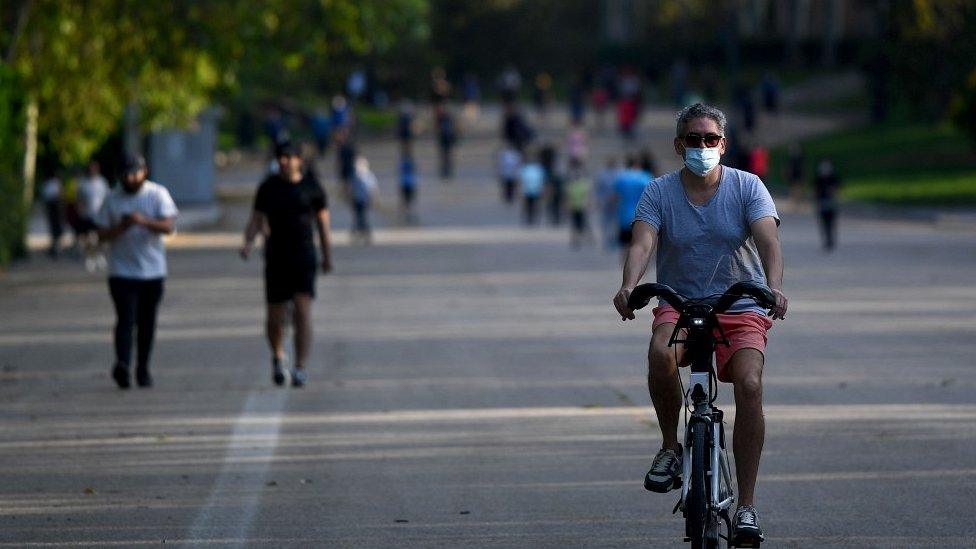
(287, 149)
(132, 163)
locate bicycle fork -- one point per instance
(718, 463)
(719, 473)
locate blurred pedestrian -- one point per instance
(274, 125)
(629, 104)
(440, 87)
(606, 181)
(446, 139)
(365, 186)
(532, 180)
(509, 163)
(605, 94)
(826, 186)
(69, 211)
(770, 93)
(759, 160)
(515, 130)
(286, 207)
(345, 159)
(577, 103)
(92, 190)
(578, 143)
(342, 119)
(133, 220)
(548, 158)
(356, 84)
(647, 162)
(509, 82)
(747, 107)
(408, 187)
(679, 82)
(405, 126)
(542, 94)
(52, 193)
(628, 188)
(321, 126)
(578, 193)
(794, 174)
(600, 98)
(471, 97)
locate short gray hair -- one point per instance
(699, 110)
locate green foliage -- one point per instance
(963, 108)
(895, 163)
(297, 49)
(84, 61)
(375, 120)
(559, 36)
(928, 48)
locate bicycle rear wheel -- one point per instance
(696, 506)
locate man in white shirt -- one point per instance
(133, 219)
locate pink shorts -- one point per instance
(743, 330)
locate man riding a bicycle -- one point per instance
(712, 226)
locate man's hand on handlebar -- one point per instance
(779, 310)
(620, 302)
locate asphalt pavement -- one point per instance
(471, 386)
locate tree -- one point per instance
(81, 64)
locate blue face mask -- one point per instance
(702, 161)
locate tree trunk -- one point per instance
(131, 133)
(30, 151)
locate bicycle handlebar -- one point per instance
(643, 294)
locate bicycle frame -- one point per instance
(699, 323)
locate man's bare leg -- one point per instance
(664, 386)
(302, 324)
(750, 424)
(275, 329)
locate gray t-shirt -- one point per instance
(138, 252)
(702, 250)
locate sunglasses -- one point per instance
(698, 141)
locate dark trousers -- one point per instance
(530, 211)
(55, 228)
(828, 228)
(136, 303)
(508, 190)
(360, 213)
(556, 204)
(447, 161)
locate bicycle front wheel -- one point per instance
(696, 506)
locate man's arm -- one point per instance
(254, 226)
(111, 233)
(766, 235)
(163, 225)
(325, 238)
(638, 254)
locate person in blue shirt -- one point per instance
(532, 178)
(321, 125)
(408, 187)
(628, 188)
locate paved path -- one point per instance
(471, 386)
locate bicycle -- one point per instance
(706, 487)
